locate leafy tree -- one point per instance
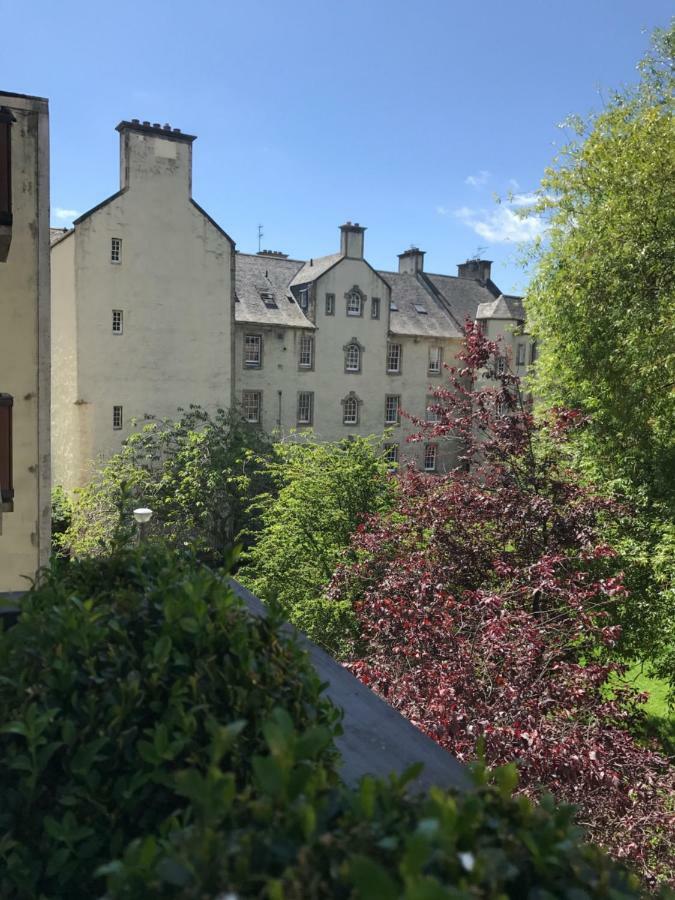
(197, 474)
(602, 302)
(483, 604)
(324, 491)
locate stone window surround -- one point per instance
(350, 295)
(354, 342)
(118, 417)
(520, 355)
(398, 370)
(431, 370)
(252, 364)
(355, 403)
(310, 413)
(306, 367)
(375, 308)
(251, 401)
(397, 419)
(330, 304)
(118, 321)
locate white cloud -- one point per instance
(478, 180)
(442, 210)
(66, 214)
(502, 225)
(513, 184)
(522, 200)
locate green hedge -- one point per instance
(119, 673)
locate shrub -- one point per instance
(292, 836)
(122, 670)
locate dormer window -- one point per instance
(422, 310)
(267, 298)
(303, 298)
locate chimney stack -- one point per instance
(351, 240)
(411, 261)
(156, 152)
(477, 269)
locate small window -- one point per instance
(501, 365)
(432, 414)
(252, 351)
(354, 303)
(392, 403)
(391, 453)
(520, 355)
(306, 351)
(251, 402)
(435, 360)
(352, 358)
(394, 359)
(350, 415)
(422, 310)
(501, 408)
(305, 407)
(393, 307)
(303, 298)
(267, 298)
(430, 457)
(117, 321)
(330, 304)
(375, 308)
(534, 351)
(116, 250)
(117, 417)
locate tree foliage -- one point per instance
(484, 605)
(196, 473)
(323, 491)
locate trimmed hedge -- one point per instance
(119, 673)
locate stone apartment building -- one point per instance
(153, 309)
(25, 515)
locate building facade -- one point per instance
(25, 503)
(154, 310)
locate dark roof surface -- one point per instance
(57, 234)
(256, 275)
(505, 306)
(417, 310)
(311, 270)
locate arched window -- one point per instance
(352, 357)
(350, 409)
(355, 301)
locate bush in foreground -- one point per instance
(121, 671)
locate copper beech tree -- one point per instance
(484, 602)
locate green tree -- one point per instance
(324, 491)
(197, 474)
(601, 302)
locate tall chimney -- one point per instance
(411, 261)
(154, 152)
(477, 269)
(351, 240)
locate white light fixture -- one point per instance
(142, 515)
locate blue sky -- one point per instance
(405, 117)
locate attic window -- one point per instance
(267, 298)
(421, 309)
(393, 307)
(303, 298)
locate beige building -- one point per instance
(141, 303)
(152, 310)
(24, 340)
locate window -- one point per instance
(116, 250)
(391, 453)
(375, 308)
(422, 310)
(520, 355)
(305, 407)
(117, 321)
(352, 358)
(432, 411)
(501, 365)
(350, 415)
(393, 307)
(6, 456)
(394, 358)
(117, 417)
(251, 402)
(533, 352)
(435, 358)
(392, 404)
(330, 304)
(501, 407)
(306, 351)
(354, 302)
(252, 351)
(430, 457)
(267, 298)
(303, 298)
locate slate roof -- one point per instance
(409, 292)
(57, 234)
(311, 270)
(505, 306)
(258, 274)
(463, 295)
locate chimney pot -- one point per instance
(135, 121)
(145, 122)
(156, 125)
(167, 127)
